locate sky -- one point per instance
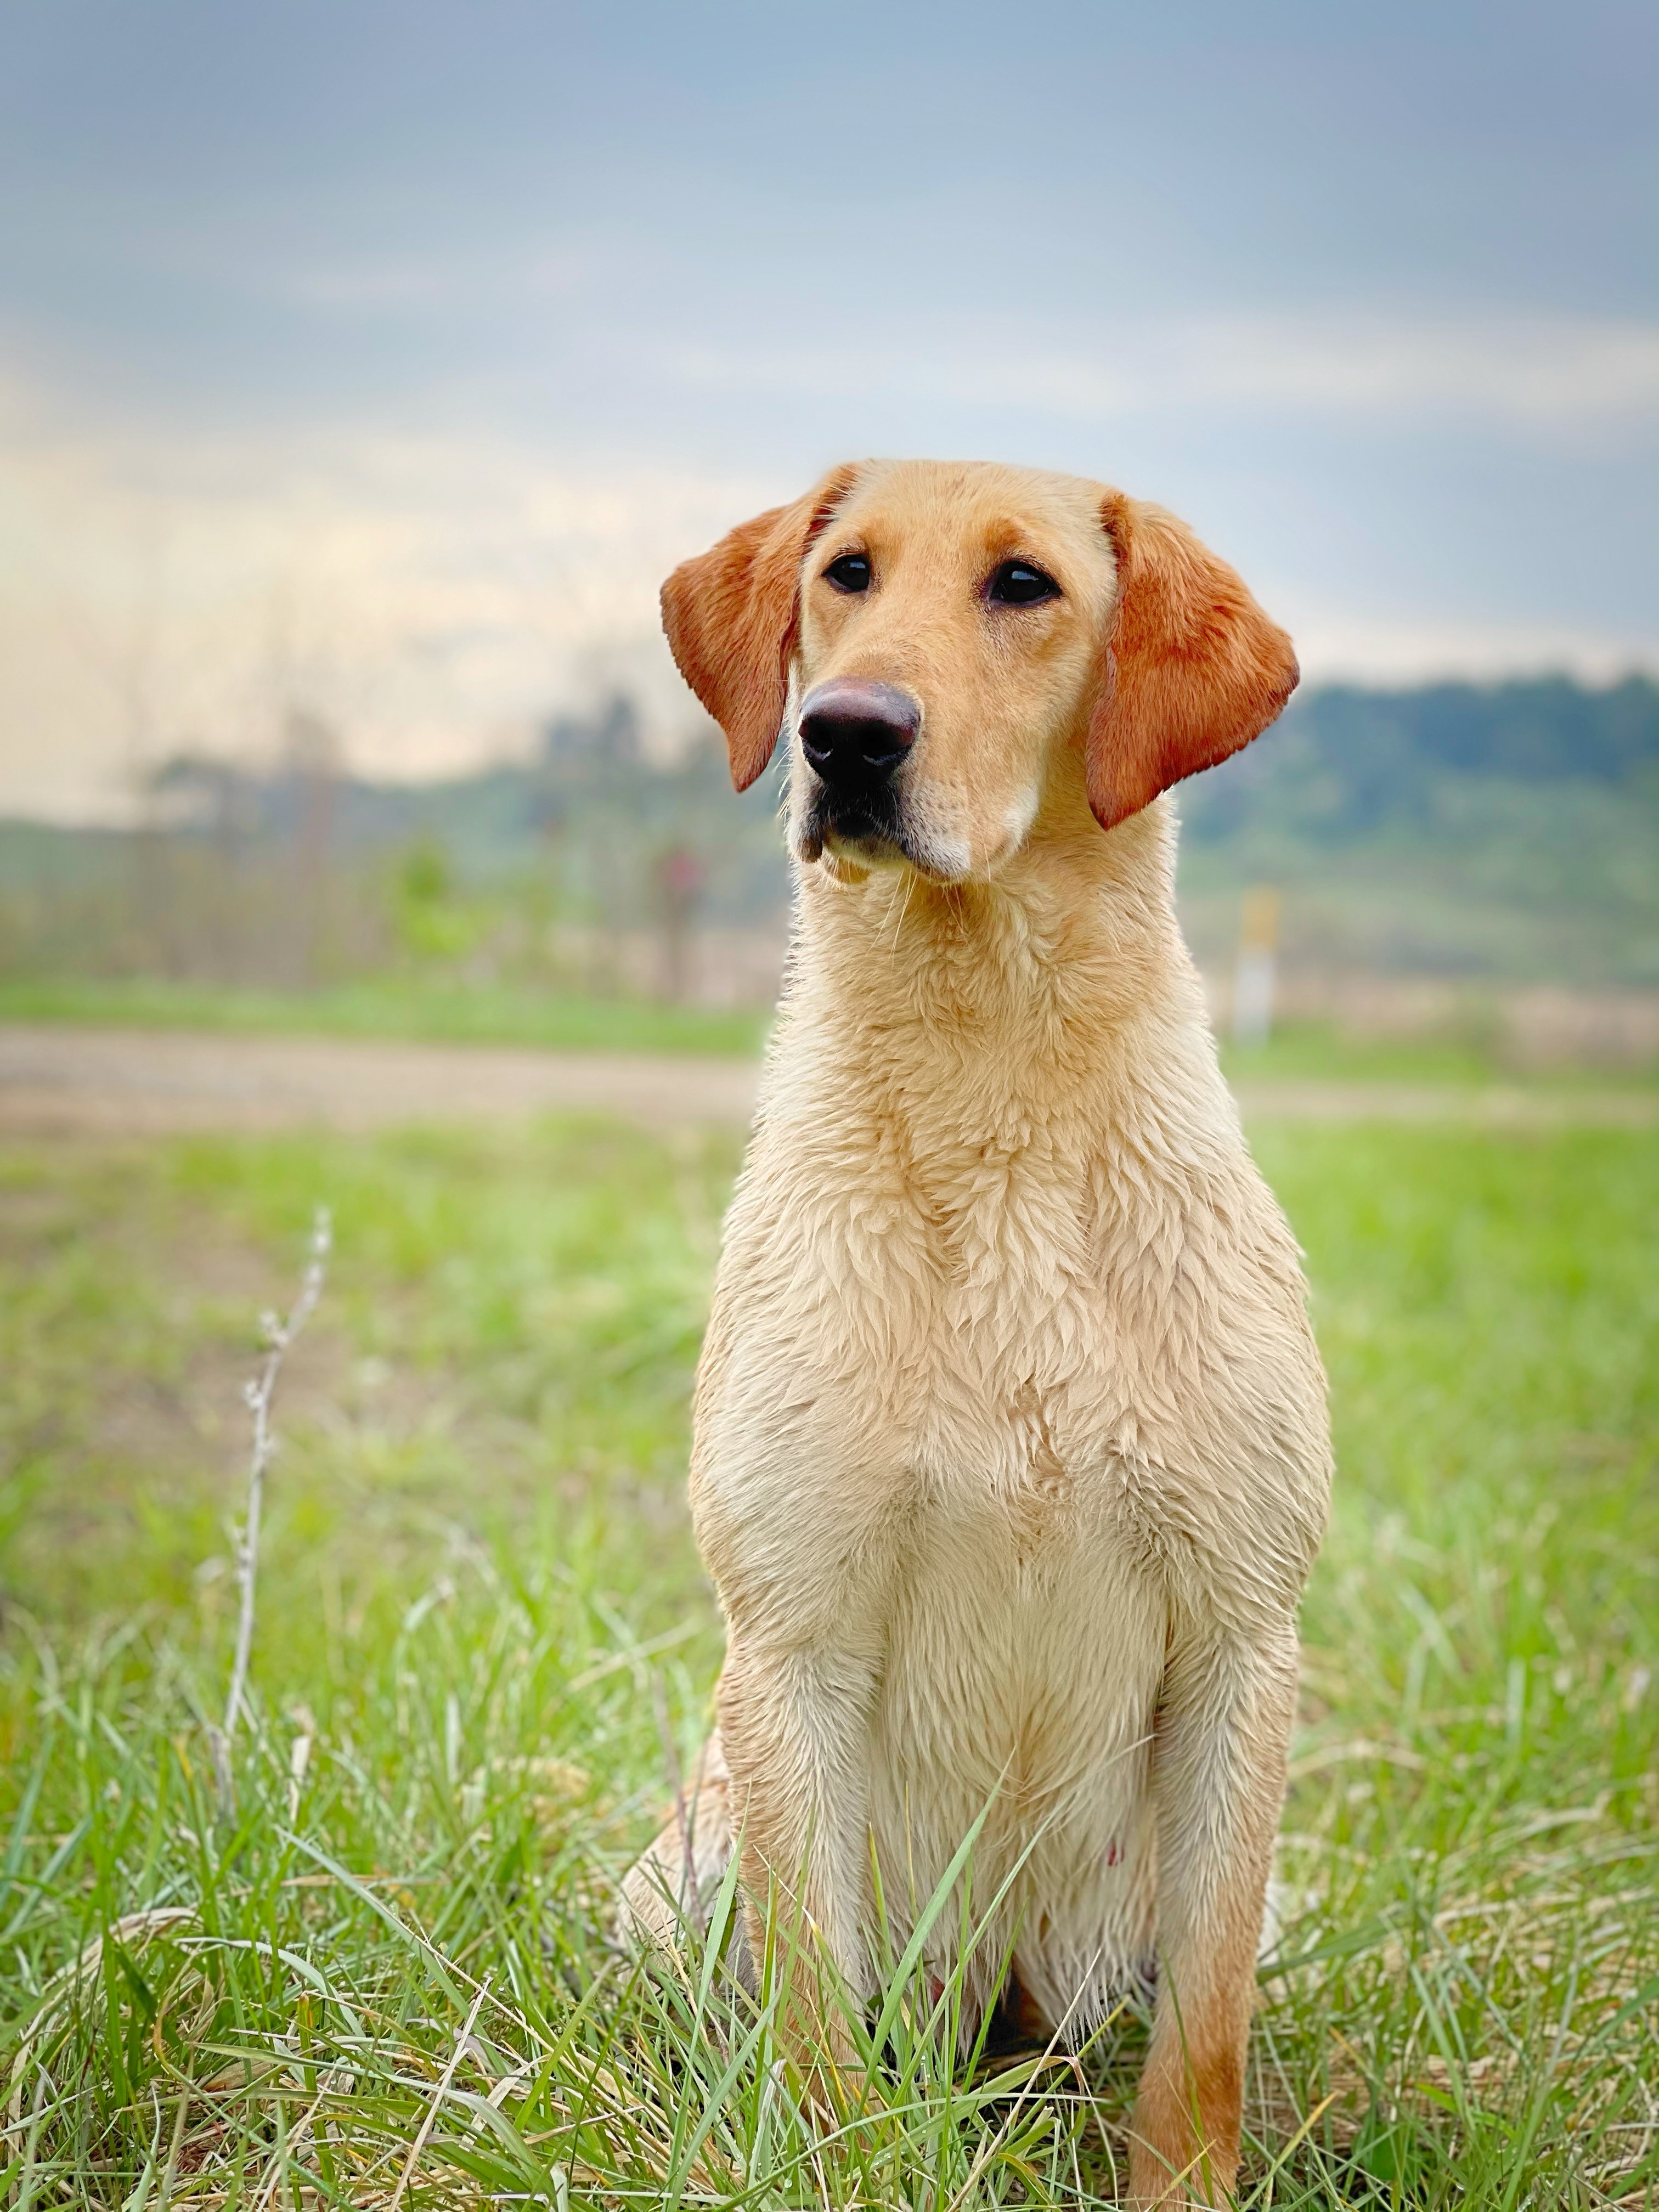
(377, 362)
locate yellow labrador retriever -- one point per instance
(1011, 1451)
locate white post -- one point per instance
(1252, 977)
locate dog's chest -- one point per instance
(1014, 1410)
(1019, 1535)
(986, 1466)
(1025, 1641)
(991, 1351)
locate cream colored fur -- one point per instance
(1011, 1454)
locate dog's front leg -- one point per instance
(1224, 1722)
(794, 1720)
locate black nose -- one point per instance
(854, 733)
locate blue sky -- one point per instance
(381, 357)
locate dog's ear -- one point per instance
(1193, 669)
(732, 615)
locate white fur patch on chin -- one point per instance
(942, 859)
(839, 868)
(942, 853)
(949, 859)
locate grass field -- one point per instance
(387, 1006)
(385, 1978)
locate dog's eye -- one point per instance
(850, 572)
(1021, 583)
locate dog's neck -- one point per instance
(1073, 944)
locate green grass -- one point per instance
(478, 1571)
(470, 1013)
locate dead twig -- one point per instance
(279, 1334)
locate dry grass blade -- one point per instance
(438, 2096)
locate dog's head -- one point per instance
(969, 643)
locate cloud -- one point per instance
(1336, 644)
(1539, 374)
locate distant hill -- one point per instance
(1509, 830)
(1344, 763)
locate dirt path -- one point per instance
(111, 1082)
(107, 1081)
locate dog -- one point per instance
(1011, 1454)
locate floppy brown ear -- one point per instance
(1194, 668)
(732, 615)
